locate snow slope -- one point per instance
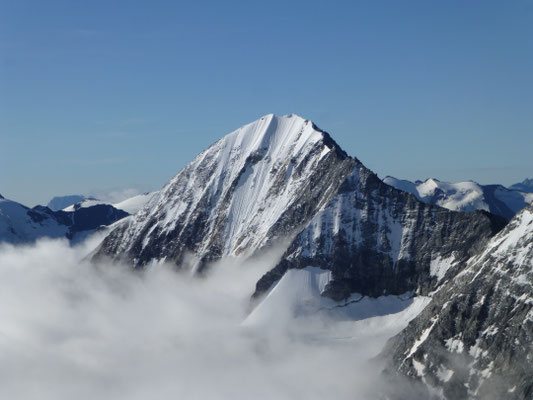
(20, 224)
(130, 205)
(465, 196)
(86, 203)
(135, 203)
(299, 295)
(60, 202)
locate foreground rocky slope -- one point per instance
(474, 340)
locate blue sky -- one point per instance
(108, 95)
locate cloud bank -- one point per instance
(70, 329)
(115, 195)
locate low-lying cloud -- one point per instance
(115, 195)
(70, 329)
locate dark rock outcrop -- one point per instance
(378, 240)
(474, 340)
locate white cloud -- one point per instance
(115, 195)
(76, 330)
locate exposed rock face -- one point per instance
(475, 339)
(378, 240)
(253, 187)
(91, 218)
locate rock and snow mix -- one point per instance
(466, 196)
(479, 325)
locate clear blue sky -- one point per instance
(102, 95)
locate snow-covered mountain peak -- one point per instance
(242, 192)
(429, 185)
(272, 136)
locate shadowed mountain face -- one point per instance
(282, 178)
(525, 186)
(474, 340)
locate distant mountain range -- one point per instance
(467, 196)
(59, 202)
(525, 186)
(20, 224)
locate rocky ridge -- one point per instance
(474, 340)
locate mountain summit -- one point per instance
(284, 179)
(253, 187)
